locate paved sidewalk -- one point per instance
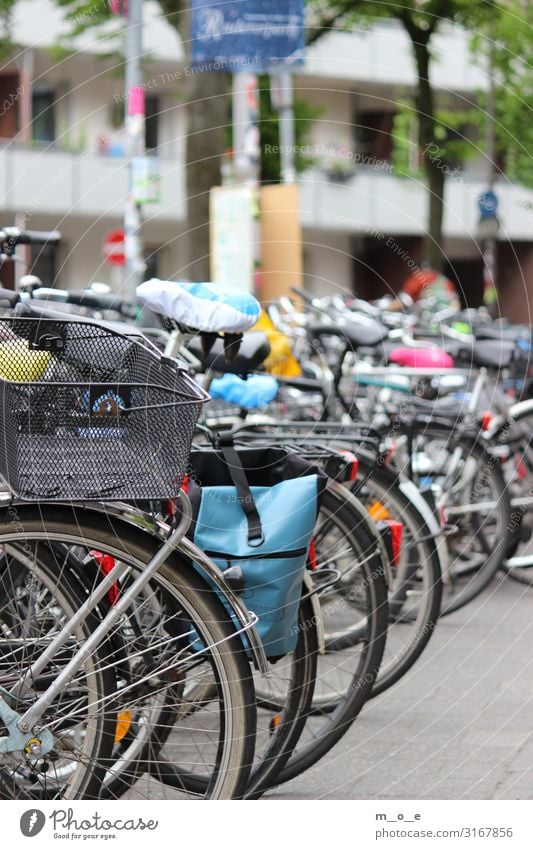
(458, 726)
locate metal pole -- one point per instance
(286, 127)
(135, 119)
(490, 248)
(245, 118)
(247, 156)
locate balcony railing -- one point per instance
(84, 183)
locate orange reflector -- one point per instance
(124, 721)
(275, 722)
(378, 512)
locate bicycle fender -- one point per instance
(317, 612)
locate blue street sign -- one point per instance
(488, 204)
(247, 35)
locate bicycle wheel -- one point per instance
(36, 600)
(190, 643)
(345, 677)
(283, 701)
(416, 590)
(475, 499)
(515, 439)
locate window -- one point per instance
(374, 134)
(10, 93)
(43, 125)
(151, 130)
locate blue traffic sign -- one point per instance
(488, 204)
(247, 36)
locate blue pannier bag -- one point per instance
(255, 510)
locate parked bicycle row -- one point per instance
(197, 600)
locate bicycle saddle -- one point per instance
(209, 307)
(354, 335)
(492, 353)
(510, 334)
(254, 349)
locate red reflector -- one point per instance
(390, 453)
(354, 465)
(106, 563)
(396, 532)
(486, 420)
(520, 469)
(185, 484)
(313, 563)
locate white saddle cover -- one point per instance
(210, 307)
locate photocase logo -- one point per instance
(32, 822)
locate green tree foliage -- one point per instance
(304, 115)
(6, 14)
(506, 44)
(207, 101)
(442, 130)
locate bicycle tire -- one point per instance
(327, 723)
(481, 473)
(32, 589)
(514, 435)
(378, 485)
(232, 750)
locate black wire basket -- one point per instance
(91, 413)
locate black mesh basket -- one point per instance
(89, 413)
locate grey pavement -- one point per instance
(458, 726)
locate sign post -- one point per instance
(245, 39)
(282, 99)
(256, 35)
(113, 247)
(135, 146)
(488, 229)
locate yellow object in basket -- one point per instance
(18, 362)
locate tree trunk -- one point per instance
(433, 248)
(208, 111)
(429, 145)
(207, 105)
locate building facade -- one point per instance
(62, 162)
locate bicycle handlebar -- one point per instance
(38, 237)
(9, 298)
(86, 298)
(10, 237)
(305, 296)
